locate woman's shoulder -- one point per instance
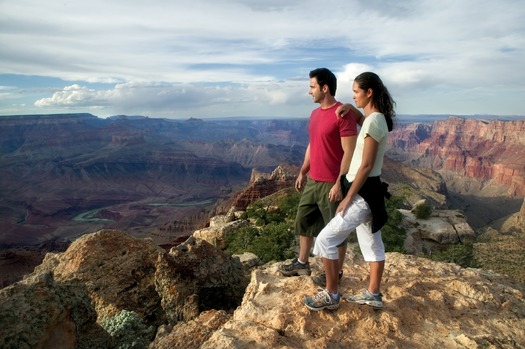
(376, 121)
(376, 114)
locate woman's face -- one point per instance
(361, 97)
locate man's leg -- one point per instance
(342, 254)
(305, 245)
(331, 268)
(321, 278)
(305, 224)
(328, 209)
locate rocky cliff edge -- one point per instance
(195, 296)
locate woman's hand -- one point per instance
(343, 109)
(335, 193)
(343, 205)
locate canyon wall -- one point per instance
(69, 174)
(485, 150)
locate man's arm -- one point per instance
(348, 144)
(305, 168)
(346, 108)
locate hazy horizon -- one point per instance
(400, 118)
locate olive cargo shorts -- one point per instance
(315, 209)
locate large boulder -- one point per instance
(195, 276)
(117, 270)
(441, 230)
(39, 312)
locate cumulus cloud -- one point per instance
(181, 100)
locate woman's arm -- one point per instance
(344, 109)
(369, 157)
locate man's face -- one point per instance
(315, 90)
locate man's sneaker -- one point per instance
(322, 300)
(295, 268)
(320, 279)
(365, 297)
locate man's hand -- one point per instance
(300, 182)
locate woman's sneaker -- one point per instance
(365, 297)
(322, 300)
(295, 268)
(320, 279)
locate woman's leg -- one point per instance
(376, 273)
(335, 232)
(373, 250)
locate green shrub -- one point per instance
(127, 330)
(422, 211)
(269, 242)
(461, 254)
(393, 235)
(241, 240)
(264, 213)
(288, 205)
(273, 243)
(268, 210)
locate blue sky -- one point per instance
(179, 59)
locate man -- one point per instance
(327, 158)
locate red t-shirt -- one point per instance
(325, 130)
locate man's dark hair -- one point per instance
(325, 77)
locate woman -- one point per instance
(363, 207)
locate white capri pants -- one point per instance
(359, 217)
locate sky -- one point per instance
(221, 58)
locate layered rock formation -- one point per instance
(415, 184)
(66, 175)
(441, 230)
(186, 294)
(261, 185)
(483, 150)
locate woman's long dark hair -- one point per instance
(381, 98)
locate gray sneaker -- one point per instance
(322, 300)
(295, 268)
(365, 297)
(320, 279)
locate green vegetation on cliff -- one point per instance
(272, 236)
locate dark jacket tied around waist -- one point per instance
(374, 193)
